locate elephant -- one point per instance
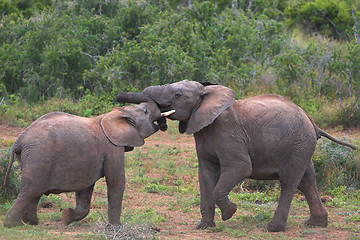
(264, 137)
(60, 152)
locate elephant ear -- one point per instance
(215, 100)
(119, 127)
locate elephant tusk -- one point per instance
(168, 113)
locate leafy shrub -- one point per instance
(67, 48)
(329, 17)
(350, 115)
(22, 7)
(336, 166)
(18, 112)
(11, 190)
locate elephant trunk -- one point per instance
(130, 97)
(126, 97)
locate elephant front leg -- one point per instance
(209, 174)
(115, 198)
(231, 174)
(278, 222)
(115, 180)
(83, 201)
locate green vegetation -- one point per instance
(74, 56)
(336, 166)
(70, 50)
(328, 17)
(11, 190)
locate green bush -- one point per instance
(69, 49)
(329, 17)
(336, 166)
(350, 115)
(10, 192)
(49, 52)
(18, 8)
(18, 112)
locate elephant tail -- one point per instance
(11, 161)
(322, 133)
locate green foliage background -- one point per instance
(68, 49)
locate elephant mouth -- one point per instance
(161, 122)
(156, 126)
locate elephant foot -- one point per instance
(9, 223)
(66, 216)
(30, 217)
(205, 224)
(229, 211)
(317, 221)
(276, 227)
(30, 220)
(70, 215)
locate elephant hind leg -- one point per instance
(29, 215)
(83, 200)
(318, 212)
(13, 215)
(289, 183)
(23, 210)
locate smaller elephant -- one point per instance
(60, 152)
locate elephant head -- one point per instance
(196, 104)
(130, 125)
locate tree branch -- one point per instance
(356, 34)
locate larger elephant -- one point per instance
(265, 137)
(60, 152)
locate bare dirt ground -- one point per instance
(180, 225)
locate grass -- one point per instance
(6, 142)
(162, 201)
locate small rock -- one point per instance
(326, 199)
(155, 229)
(46, 205)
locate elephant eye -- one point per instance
(146, 111)
(177, 95)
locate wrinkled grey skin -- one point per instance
(264, 137)
(60, 152)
